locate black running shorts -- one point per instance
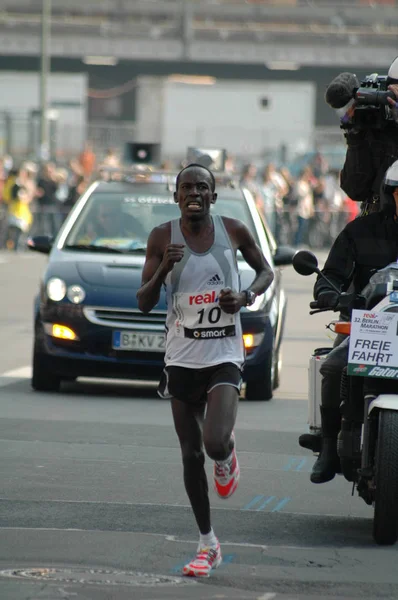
(193, 385)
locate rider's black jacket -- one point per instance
(369, 154)
(365, 245)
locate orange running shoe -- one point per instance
(226, 476)
(205, 560)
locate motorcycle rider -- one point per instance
(365, 245)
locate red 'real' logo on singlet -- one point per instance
(208, 298)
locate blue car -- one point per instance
(86, 319)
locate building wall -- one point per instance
(103, 78)
(20, 111)
(112, 91)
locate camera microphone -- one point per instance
(341, 90)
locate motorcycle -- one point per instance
(367, 443)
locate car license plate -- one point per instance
(143, 342)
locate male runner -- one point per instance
(195, 258)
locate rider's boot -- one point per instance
(328, 462)
(311, 441)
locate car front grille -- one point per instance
(126, 318)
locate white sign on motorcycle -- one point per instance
(373, 349)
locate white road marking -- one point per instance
(20, 373)
(267, 596)
(15, 375)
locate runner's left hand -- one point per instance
(231, 302)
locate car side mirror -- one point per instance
(305, 262)
(283, 256)
(40, 243)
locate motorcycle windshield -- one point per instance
(390, 308)
(388, 274)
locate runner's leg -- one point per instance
(222, 409)
(219, 438)
(188, 422)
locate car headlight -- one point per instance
(76, 294)
(252, 340)
(257, 303)
(56, 289)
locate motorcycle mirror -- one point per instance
(305, 262)
(40, 243)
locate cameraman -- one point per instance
(371, 135)
(369, 154)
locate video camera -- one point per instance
(371, 109)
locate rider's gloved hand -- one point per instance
(327, 299)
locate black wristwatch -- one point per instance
(250, 297)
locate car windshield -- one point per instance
(123, 220)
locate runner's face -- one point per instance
(194, 194)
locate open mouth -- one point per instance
(194, 205)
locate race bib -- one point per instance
(200, 317)
(373, 348)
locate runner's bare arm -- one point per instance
(244, 241)
(160, 259)
(254, 258)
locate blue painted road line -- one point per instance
(178, 568)
(258, 503)
(227, 559)
(252, 502)
(301, 464)
(267, 501)
(292, 461)
(295, 463)
(281, 504)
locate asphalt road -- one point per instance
(92, 504)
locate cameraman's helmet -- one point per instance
(390, 182)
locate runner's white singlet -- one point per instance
(199, 333)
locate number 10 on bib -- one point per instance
(200, 317)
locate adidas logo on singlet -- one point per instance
(215, 280)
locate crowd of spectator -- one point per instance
(307, 209)
(36, 198)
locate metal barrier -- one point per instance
(317, 232)
(20, 137)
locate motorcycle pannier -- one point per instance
(314, 388)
